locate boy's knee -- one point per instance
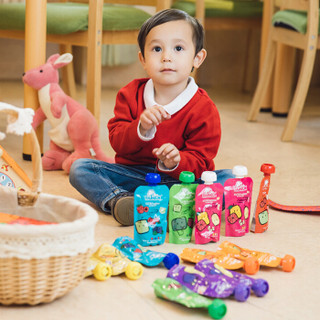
(75, 170)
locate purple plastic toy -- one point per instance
(259, 287)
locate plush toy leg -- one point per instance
(100, 155)
(54, 157)
(81, 128)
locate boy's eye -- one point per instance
(179, 48)
(157, 49)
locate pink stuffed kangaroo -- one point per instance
(75, 132)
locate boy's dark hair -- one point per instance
(167, 16)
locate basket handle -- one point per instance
(29, 198)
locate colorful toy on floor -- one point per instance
(238, 195)
(150, 211)
(260, 219)
(171, 290)
(259, 287)
(294, 209)
(108, 261)
(208, 207)
(209, 285)
(135, 252)
(75, 132)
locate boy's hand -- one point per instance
(152, 117)
(168, 154)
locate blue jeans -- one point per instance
(100, 181)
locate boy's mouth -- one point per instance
(167, 70)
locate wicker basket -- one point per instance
(39, 263)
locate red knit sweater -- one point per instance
(194, 130)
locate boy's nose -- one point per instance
(166, 59)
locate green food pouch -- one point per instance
(171, 290)
(181, 208)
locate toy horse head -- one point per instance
(47, 73)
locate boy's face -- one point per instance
(169, 53)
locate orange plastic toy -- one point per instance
(231, 256)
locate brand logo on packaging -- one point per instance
(184, 194)
(153, 196)
(208, 193)
(238, 187)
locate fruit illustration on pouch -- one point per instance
(203, 216)
(215, 219)
(142, 226)
(246, 212)
(200, 225)
(235, 214)
(263, 217)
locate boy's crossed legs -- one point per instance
(111, 186)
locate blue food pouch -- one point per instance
(150, 212)
(135, 252)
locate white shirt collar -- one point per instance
(176, 104)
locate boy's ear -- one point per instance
(199, 58)
(141, 58)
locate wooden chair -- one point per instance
(85, 23)
(229, 15)
(300, 30)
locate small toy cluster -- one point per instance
(212, 277)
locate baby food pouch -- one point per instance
(238, 194)
(135, 252)
(260, 218)
(150, 212)
(208, 206)
(181, 208)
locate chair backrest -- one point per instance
(311, 7)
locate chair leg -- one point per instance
(69, 84)
(94, 58)
(263, 82)
(300, 94)
(283, 79)
(249, 64)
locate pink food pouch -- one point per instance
(208, 207)
(238, 195)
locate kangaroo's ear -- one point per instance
(62, 60)
(53, 58)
